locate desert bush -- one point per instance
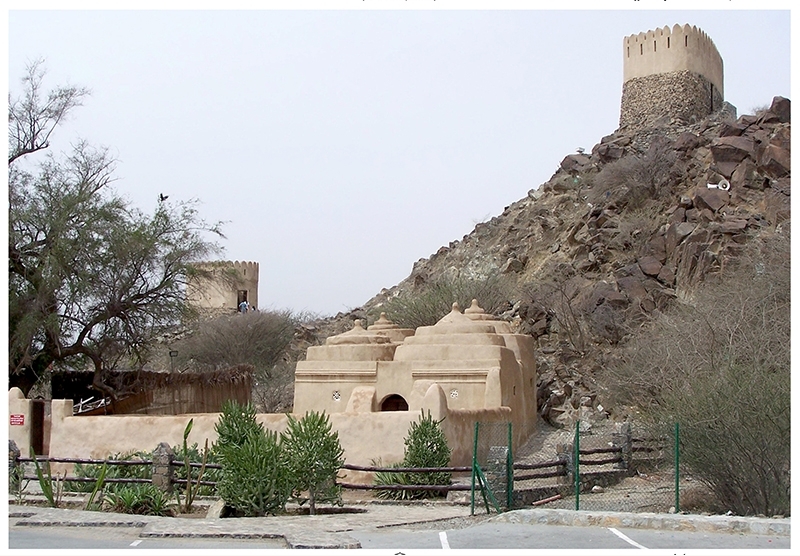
(634, 179)
(428, 303)
(253, 480)
(425, 446)
(273, 391)
(720, 367)
(635, 230)
(556, 297)
(312, 457)
(258, 338)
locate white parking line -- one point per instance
(627, 539)
(443, 539)
(136, 543)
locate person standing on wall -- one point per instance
(243, 307)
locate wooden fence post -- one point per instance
(162, 467)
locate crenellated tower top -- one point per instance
(223, 285)
(663, 50)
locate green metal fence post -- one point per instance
(474, 467)
(576, 464)
(677, 468)
(509, 473)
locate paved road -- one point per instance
(116, 538)
(481, 536)
(396, 526)
(519, 536)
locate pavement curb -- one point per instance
(667, 522)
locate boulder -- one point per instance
(678, 215)
(775, 161)
(513, 265)
(779, 111)
(735, 148)
(728, 152)
(747, 120)
(576, 163)
(632, 287)
(608, 152)
(733, 129)
(650, 265)
(657, 247)
(733, 225)
(666, 275)
(606, 219)
(687, 141)
(746, 175)
(712, 199)
(676, 233)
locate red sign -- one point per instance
(17, 418)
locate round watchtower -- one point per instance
(675, 73)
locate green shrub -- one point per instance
(433, 300)
(425, 446)
(253, 481)
(312, 456)
(389, 478)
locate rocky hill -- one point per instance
(614, 236)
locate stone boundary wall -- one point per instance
(682, 95)
(664, 51)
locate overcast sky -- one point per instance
(342, 146)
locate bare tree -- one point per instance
(33, 117)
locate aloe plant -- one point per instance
(97, 486)
(191, 493)
(53, 494)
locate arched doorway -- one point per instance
(395, 402)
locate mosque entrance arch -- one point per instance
(395, 402)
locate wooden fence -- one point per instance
(167, 466)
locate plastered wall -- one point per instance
(363, 436)
(219, 291)
(666, 50)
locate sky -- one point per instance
(340, 146)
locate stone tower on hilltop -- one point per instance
(674, 73)
(223, 285)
